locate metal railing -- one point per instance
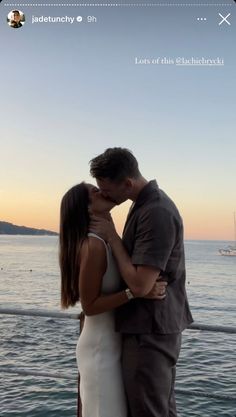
(74, 316)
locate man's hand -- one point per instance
(102, 227)
(158, 291)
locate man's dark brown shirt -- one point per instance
(153, 236)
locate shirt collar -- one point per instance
(147, 192)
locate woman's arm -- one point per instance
(93, 266)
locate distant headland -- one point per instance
(11, 229)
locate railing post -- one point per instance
(79, 404)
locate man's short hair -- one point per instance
(116, 164)
(15, 12)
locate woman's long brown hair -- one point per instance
(74, 222)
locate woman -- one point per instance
(89, 274)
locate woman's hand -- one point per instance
(158, 291)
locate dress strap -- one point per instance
(98, 237)
(105, 244)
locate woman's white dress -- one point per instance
(98, 356)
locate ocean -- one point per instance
(29, 278)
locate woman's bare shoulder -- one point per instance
(92, 246)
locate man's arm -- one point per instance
(140, 279)
(92, 268)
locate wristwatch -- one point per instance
(129, 294)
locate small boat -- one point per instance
(230, 250)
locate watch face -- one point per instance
(129, 294)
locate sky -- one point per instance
(69, 91)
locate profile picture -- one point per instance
(16, 19)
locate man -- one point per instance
(15, 21)
(151, 247)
